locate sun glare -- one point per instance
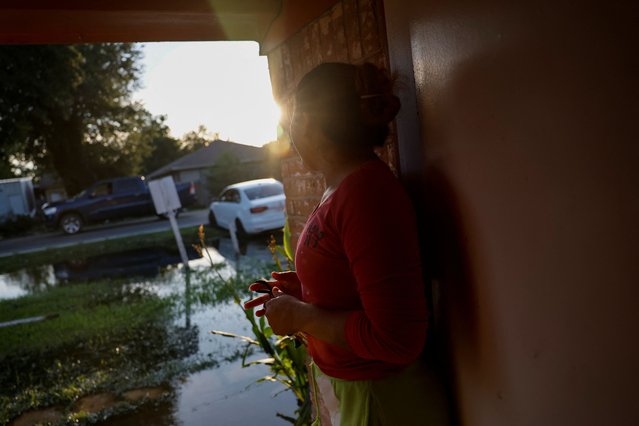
(224, 86)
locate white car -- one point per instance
(254, 206)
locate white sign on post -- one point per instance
(167, 202)
(164, 194)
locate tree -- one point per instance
(196, 139)
(68, 108)
(165, 149)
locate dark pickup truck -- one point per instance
(107, 200)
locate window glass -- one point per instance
(102, 189)
(127, 185)
(231, 196)
(263, 191)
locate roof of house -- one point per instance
(209, 155)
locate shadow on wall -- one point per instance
(449, 288)
(528, 223)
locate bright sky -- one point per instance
(223, 85)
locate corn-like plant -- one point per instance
(286, 358)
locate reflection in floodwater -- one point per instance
(158, 414)
(26, 281)
(202, 373)
(149, 263)
(146, 262)
(226, 396)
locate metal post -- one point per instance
(236, 245)
(178, 239)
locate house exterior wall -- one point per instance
(189, 175)
(198, 177)
(207, 189)
(349, 31)
(518, 140)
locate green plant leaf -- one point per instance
(288, 248)
(266, 379)
(268, 332)
(237, 336)
(264, 361)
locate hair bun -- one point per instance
(379, 110)
(378, 104)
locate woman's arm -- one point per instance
(288, 315)
(379, 235)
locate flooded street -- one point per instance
(162, 366)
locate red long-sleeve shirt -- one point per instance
(358, 252)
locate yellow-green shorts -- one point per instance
(412, 397)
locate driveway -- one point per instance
(56, 239)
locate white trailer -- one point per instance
(16, 198)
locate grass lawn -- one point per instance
(81, 312)
(106, 336)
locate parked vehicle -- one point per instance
(107, 200)
(254, 206)
(16, 199)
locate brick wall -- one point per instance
(351, 31)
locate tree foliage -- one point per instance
(164, 149)
(69, 109)
(197, 139)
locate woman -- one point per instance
(357, 293)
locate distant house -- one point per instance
(217, 165)
(50, 188)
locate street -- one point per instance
(100, 232)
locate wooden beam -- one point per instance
(41, 22)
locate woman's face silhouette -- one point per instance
(300, 135)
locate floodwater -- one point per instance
(224, 393)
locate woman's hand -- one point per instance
(281, 310)
(283, 313)
(260, 300)
(287, 314)
(286, 282)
